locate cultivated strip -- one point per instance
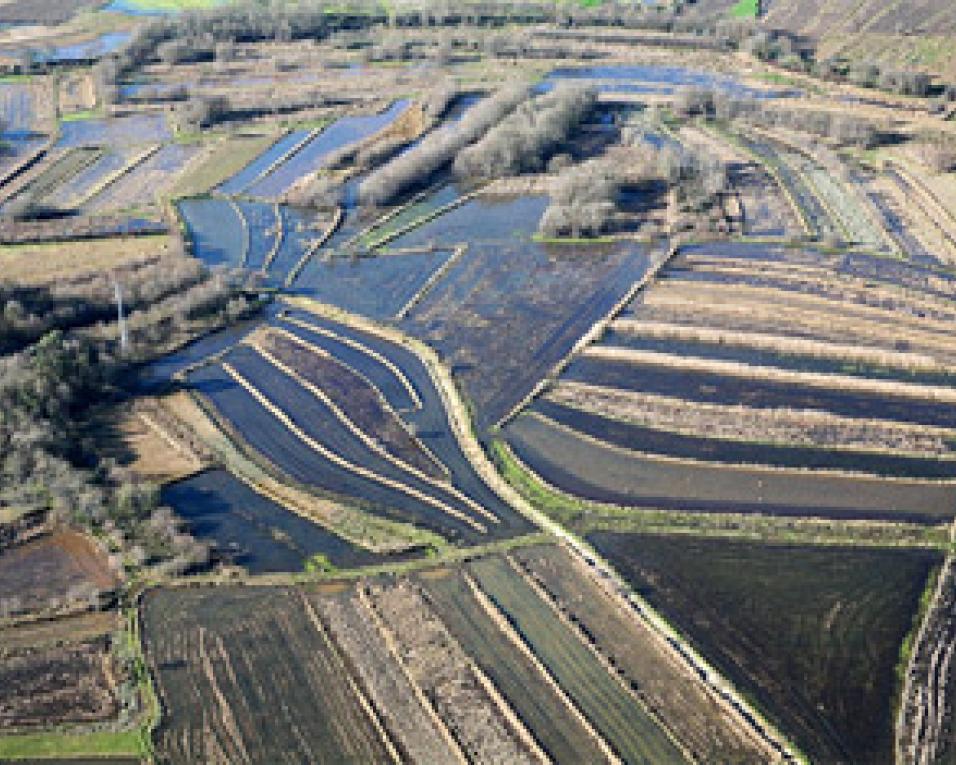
(818, 380)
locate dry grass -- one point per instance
(815, 380)
(783, 344)
(37, 264)
(793, 427)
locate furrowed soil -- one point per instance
(813, 634)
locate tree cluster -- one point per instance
(526, 139)
(63, 358)
(415, 167)
(583, 200)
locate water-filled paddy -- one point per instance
(217, 235)
(762, 394)
(310, 157)
(242, 180)
(657, 79)
(653, 441)
(725, 351)
(254, 532)
(510, 308)
(594, 470)
(117, 131)
(378, 287)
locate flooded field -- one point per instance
(249, 530)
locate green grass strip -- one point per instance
(746, 9)
(53, 744)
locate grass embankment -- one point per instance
(583, 516)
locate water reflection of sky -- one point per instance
(83, 51)
(663, 80)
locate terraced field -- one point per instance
(793, 378)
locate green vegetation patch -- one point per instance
(130, 743)
(813, 634)
(746, 9)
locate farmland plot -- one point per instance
(377, 287)
(699, 446)
(415, 396)
(315, 415)
(301, 461)
(115, 132)
(310, 157)
(252, 531)
(264, 226)
(355, 396)
(51, 685)
(594, 469)
(217, 234)
(561, 731)
(77, 188)
(612, 708)
(694, 717)
(738, 422)
(57, 170)
(812, 633)
(242, 180)
(510, 309)
(418, 733)
(782, 162)
(299, 229)
(64, 570)
(481, 723)
(776, 351)
(245, 675)
(718, 388)
(146, 184)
